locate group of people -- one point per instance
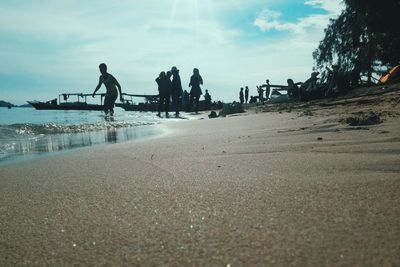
(312, 89)
(244, 95)
(299, 90)
(169, 86)
(332, 82)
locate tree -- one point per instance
(362, 40)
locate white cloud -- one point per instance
(269, 19)
(332, 7)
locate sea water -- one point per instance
(27, 133)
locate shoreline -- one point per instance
(255, 189)
(59, 144)
(45, 145)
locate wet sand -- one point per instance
(285, 189)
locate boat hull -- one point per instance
(139, 107)
(154, 106)
(65, 106)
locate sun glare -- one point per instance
(172, 14)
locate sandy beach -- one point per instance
(280, 185)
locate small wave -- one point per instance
(29, 129)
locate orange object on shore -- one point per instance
(392, 73)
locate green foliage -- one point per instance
(364, 39)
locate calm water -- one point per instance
(26, 133)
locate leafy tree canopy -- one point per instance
(363, 40)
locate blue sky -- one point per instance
(50, 47)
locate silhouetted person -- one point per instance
(241, 96)
(169, 75)
(52, 101)
(311, 84)
(207, 98)
(260, 94)
(176, 90)
(308, 87)
(253, 99)
(186, 100)
(246, 94)
(164, 87)
(111, 85)
(195, 81)
(333, 81)
(293, 89)
(267, 89)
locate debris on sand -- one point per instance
(307, 113)
(364, 118)
(212, 115)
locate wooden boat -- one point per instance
(150, 103)
(63, 104)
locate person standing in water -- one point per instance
(195, 81)
(111, 85)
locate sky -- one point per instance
(51, 47)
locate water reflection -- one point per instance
(49, 143)
(111, 136)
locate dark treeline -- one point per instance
(5, 104)
(363, 40)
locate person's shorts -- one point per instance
(109, 100)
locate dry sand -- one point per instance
(298, 188)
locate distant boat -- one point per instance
(150, 103)
(81, 104)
